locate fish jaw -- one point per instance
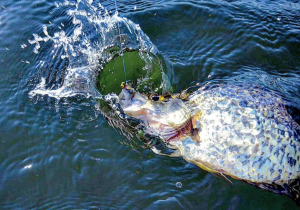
(163, 119)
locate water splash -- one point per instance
(91, 40)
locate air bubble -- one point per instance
(178, 185)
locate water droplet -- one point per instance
(28, 166)
(178, 185)
(23, 46)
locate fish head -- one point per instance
(162, 118)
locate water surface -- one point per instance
(61, 153)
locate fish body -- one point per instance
(243, 132)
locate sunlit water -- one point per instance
(58, 151)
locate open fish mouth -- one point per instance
(165, 119)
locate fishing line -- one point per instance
(121, 53)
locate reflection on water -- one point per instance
(57, 150)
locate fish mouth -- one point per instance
(132, 102)
(169, 120)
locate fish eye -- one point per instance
(155, 98)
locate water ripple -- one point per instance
(62, 154)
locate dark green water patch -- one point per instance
(143, 70)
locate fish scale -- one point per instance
(248, 133)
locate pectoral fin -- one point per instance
(196, 120)
(196, 126)
(223, 176)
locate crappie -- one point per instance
(241, 131)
